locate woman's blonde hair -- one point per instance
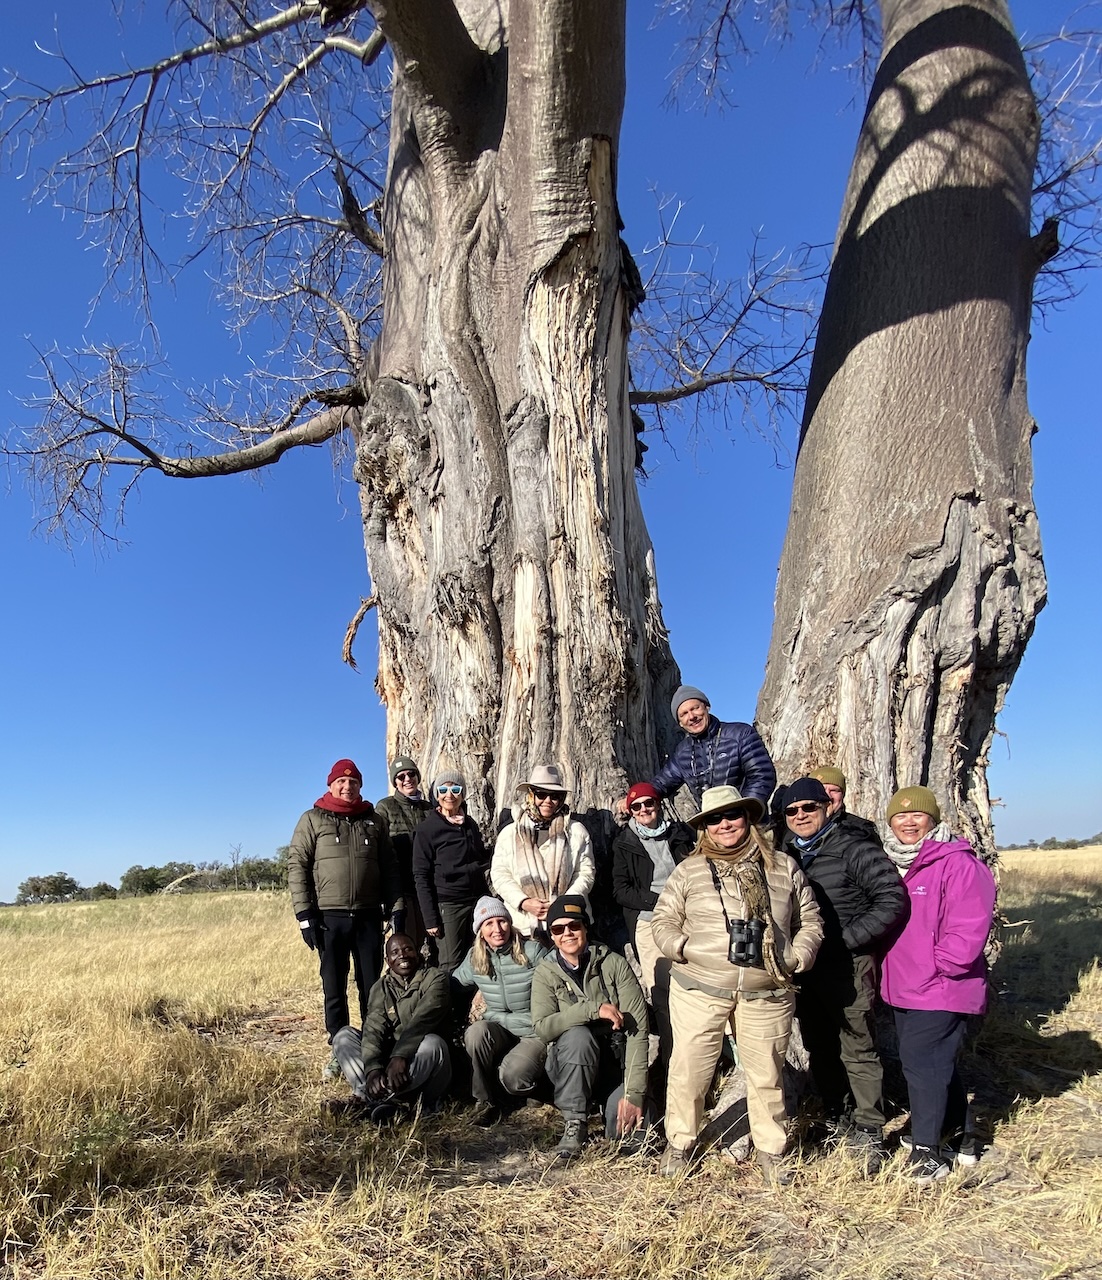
(482, 961)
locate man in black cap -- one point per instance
(860, 896)
(588, 1007)
(404, 812)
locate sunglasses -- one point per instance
(728, 815)
(636, 805)
(567, 926)
(547, 795)
(453, 787)
(405, 775)
(809, 807)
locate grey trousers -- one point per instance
(430, 1068)
(584, 1070)
(500, 1058)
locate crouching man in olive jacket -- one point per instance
(588, 1007)
(401, 1054)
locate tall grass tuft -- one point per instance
(161, 1116)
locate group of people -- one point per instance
(769, 904)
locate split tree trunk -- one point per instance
(519, 620)
(911, 574)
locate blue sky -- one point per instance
(184, 693)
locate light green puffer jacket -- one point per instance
(508, 990)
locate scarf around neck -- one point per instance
(346, 808)
(650, 833)
(904, 854)
(543, 871)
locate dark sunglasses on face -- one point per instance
(453, 787)
(636, 805)
(809, 807)
(405, 775)
(728, 815)
(567, 926)
(546, 795)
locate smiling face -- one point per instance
(547, 803)
(692, 715)
(911, 828)
(402, 956)
(805, 817)
(729, 828)
(407, 782)
(645, 811)
(347, 789)
(496, 933)
(569, 938)
(449, 799)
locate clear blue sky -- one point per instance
(184, 694)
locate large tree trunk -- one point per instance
(911, 574)
(519, 619)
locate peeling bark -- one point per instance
(518, 611)
(911, 574)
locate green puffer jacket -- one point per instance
(508, 990)
(338, 863)
(558, 1005)
(403, 817)
(400, 1015)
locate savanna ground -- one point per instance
(162, 1116)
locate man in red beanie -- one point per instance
(344, 880)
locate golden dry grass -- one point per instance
(162, 1118)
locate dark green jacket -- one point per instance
(400, 1015)
(338, 863)
(403, 817)
(558, 1005)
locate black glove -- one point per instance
(313, 931)
(397, 922)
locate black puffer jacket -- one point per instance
(403, 817)
(449, 865)
(633, 871)
(859, 892)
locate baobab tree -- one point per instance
(462, 314)
(912, 574)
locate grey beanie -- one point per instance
(449, 776)
(487, 908)
(684, 693)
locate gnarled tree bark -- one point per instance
(518, 612)
(911, 574)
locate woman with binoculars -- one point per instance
(738, 920)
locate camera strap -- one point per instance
(719, 890)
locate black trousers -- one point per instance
(350, 936)
(929, 1041)
(449, 950)
(834, 1006)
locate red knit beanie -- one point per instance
(642, 791)
(344, 769)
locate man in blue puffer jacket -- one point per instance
(714, 753)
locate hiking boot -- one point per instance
(867, 1146)
(574, 1135)
(925, 1165)
(485, 1115)
(774, 1169)
(674, 1162)
(331, 1071)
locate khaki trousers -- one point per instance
(761, 1028)
(656, 985)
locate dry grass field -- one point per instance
(162, 1116)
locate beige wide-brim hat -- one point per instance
(548, 777)
(717, 799)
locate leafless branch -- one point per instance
(353, 628)
(99, 416)
(1066, 70)
(700, 336)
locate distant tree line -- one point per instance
(1052, 843)
(176, 877)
